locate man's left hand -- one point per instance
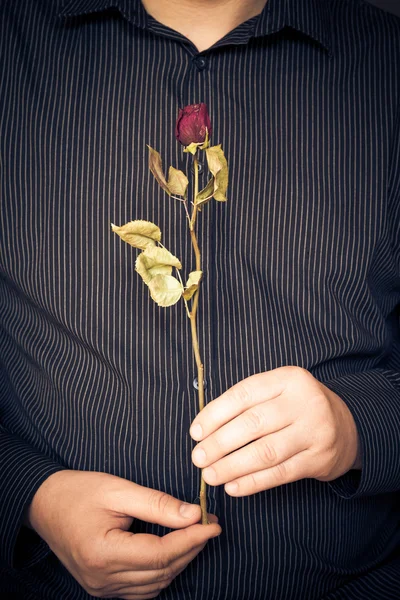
(274, 428)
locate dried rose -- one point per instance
(193, 124)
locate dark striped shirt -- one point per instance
(302, 267)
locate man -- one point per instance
(298, 317)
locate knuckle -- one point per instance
(147, 596)
(328, 465)
(294, 371)
(301, 371)
(325, 434)
(254, 421)
(329, 437)
(243, 394)
(93, 587)
(321, 403)
(165, 576)
(160, 562)
(254, 485)
(93, 561)
(281, 472)
(92, 565)
(165, 583)
(266, 453)
(158, 502)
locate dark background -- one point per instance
(392, 6)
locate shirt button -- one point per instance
(201, 168)
(201, 62)
(196, 383)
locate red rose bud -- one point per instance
(192, 124)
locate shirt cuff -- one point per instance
(373, 398)
(22, 471)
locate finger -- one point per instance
(145, 552)
(212, 518)
(137, 596)
(136, 590)
(129, 594)
(258, 421)
(148, 581)
(140, 596)
(187, 540)
(295, 468)
(267, 452)
(130, 576)
(153, 506)
(239, 398)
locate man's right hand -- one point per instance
(84, 517)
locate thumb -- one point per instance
(153, 506)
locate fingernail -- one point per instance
(199, 456)
(188, 510)
(232, 488)
(196, 432)
(213, 518)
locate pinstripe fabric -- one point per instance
(302, 267)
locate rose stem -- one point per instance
(193, 325)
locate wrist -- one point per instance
(37, 508)
(348, 438)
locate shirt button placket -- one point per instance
(200, 64)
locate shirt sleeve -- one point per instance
(22, 471)
(373, 397)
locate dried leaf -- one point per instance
(206, 142)
(219, 168)
(192, 284)
(139, 234)
(165, 290)
(155, 165)
(147, 273)
(155, 261)
(205, 195)
(177, 182)
(192, 148)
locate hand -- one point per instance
(84, 518)
(274, 428)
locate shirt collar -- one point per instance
(133, 10)
(311, 17)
